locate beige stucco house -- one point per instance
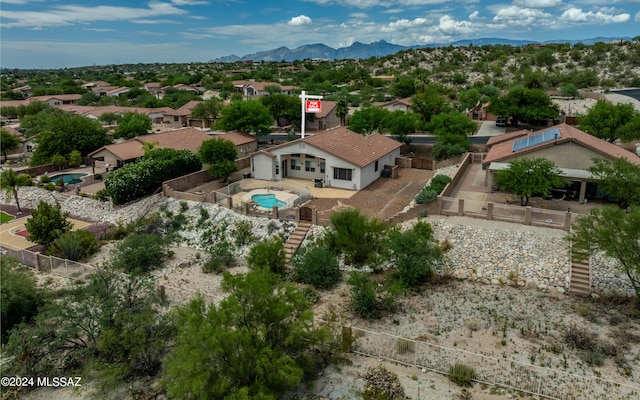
(571, 149)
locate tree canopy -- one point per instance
(618, 178)
(524, 105)
(47, 223)
(527, 177)
(220, 155)
(131, 125)
(248, 116)
(8, 143)
(612, 121)
(368, 120)
(207, 110)
(258, 342)
(61, 133)
(615, 232)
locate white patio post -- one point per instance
(304, 97)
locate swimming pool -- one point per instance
(69, 179)
(268, 200)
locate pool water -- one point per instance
(268, 200)
(69, 179)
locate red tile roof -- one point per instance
(327, 107)
(503, 151)
(348, 145)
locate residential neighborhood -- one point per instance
(417, 227)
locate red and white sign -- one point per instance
(314, 106)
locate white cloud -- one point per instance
(66, 15)
(376, 3)
(538, 3)
(451, 27)
(359, 15)
(576, 15)
(637, 18)
(474, 15)
(299, 20)
(188, 2)
(514, 15)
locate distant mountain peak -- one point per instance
(359, 50)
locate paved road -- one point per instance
(625, 96)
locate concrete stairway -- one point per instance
(580, 283)
(296, 239)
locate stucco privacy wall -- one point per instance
(484, 251)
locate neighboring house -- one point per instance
(156, 115)
(339, 157)
(396, 105)
(182, 116)
(155, 88)
(325, 119)
(94, 84)
(59, 99)
(118, 154)
(251, 88)
(115, 92)
(24, 142)
(25, 90)
(571, 149)
(245, 144)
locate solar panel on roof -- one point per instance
(530, 141)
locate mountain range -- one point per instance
(382, 48)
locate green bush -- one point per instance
(426, 195)
(356, 236)
(268, 253)
(146, 175)
(317, 266)
(461, 374)
(222, 257)
(19, 294)
(140, 253)
(47, 223)
(439, 181)
(243, 233)
(75, 245)
(449, 146)
(368, 298)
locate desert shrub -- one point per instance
(140, 253)
(269, 254)
(317, 266)
(355, 236)
(75, 245)
(426, 195)
(461, 374)
(415, 255)
(369, 299)
(579, 338)
(221, 258)
(439, 181)
(242, 233)
(381, 384)
(19, 294)
(431, 191)
(146, 175)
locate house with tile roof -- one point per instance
(58, 99)
(118, 154)
(252, 88)
(325, 119)
(396, 105)
(571, 149)
(339, 157)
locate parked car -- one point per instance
(501, 121)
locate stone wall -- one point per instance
(519, 256)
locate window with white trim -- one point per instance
(342, 174)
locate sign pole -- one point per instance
(305, 106)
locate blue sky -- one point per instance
(73, 33)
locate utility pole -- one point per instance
(313, 106)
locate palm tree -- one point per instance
(342, 110)
(10, 182)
